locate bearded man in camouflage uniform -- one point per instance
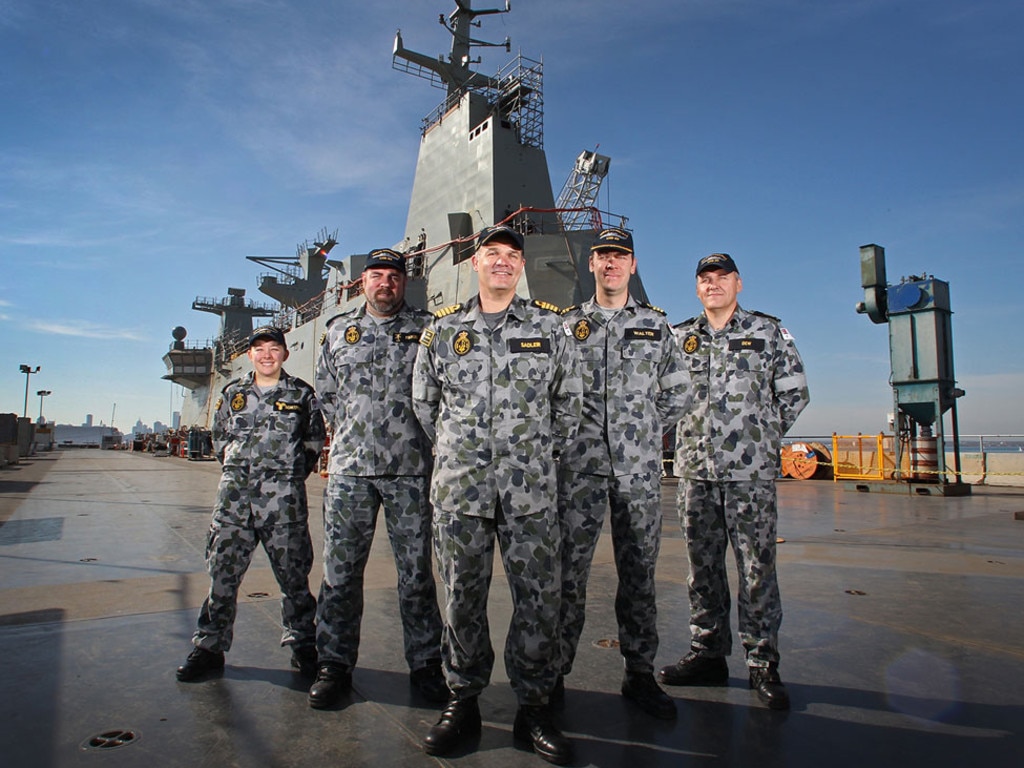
(748, 388)
(496, 387)
(633, 389)
(267, 434)
(379, 458)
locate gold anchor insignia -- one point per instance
(582, 330)
(691, 344)
(238, 402)
(352, 334)
(463, 343)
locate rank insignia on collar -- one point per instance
(352, 334)
(463, 343)
(691, 343)
(582, 329)
(238, 402)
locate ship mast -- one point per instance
(455, 74)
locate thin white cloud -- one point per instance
(85, 329)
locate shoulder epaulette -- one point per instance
(659, 310)
(567, 310)
(546, 305)
(687, 321)
(762, 314)
(447, 311)
(338, 316)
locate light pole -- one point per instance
(42, 393)
(28, 371)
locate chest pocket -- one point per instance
(530, 366)
(747, 357)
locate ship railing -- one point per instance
(190, 345)
(518, 98)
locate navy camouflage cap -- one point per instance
(385, 258)
(267, 332)
(722, 261)
(613, 239)
(500, 231)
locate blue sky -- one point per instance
(147, 148)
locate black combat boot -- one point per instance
(332, 680)
(535, 727)
(695, 669)
(459, 721)
(430, 682)
(200, 664)
(769, 687)
(640, 688)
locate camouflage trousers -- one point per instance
(529, 546)
(713, 515)
(634, 502)
(351, 506)
(244, 518)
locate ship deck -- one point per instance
(903, 639)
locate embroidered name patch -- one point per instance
(645, 334)
(529, 345)
(405, 338)
(746, 345)
(281, 405)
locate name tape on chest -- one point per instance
(281, 405)
(529, 345)
(642, 334)
(406, 338)
(746, 345)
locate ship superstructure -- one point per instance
(481, 161)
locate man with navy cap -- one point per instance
(380, 459)
(267, 433)
(634, 389)
(496, 387)
(748, 387)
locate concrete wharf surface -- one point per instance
(902, 644)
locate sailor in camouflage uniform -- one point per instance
(496, 387)
(379, 458)
(267, 434)
(634, 388)
(748, 387)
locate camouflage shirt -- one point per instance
(364, 381)
(634, 388)
(748, 387)
(499, 405)
(270, 432)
